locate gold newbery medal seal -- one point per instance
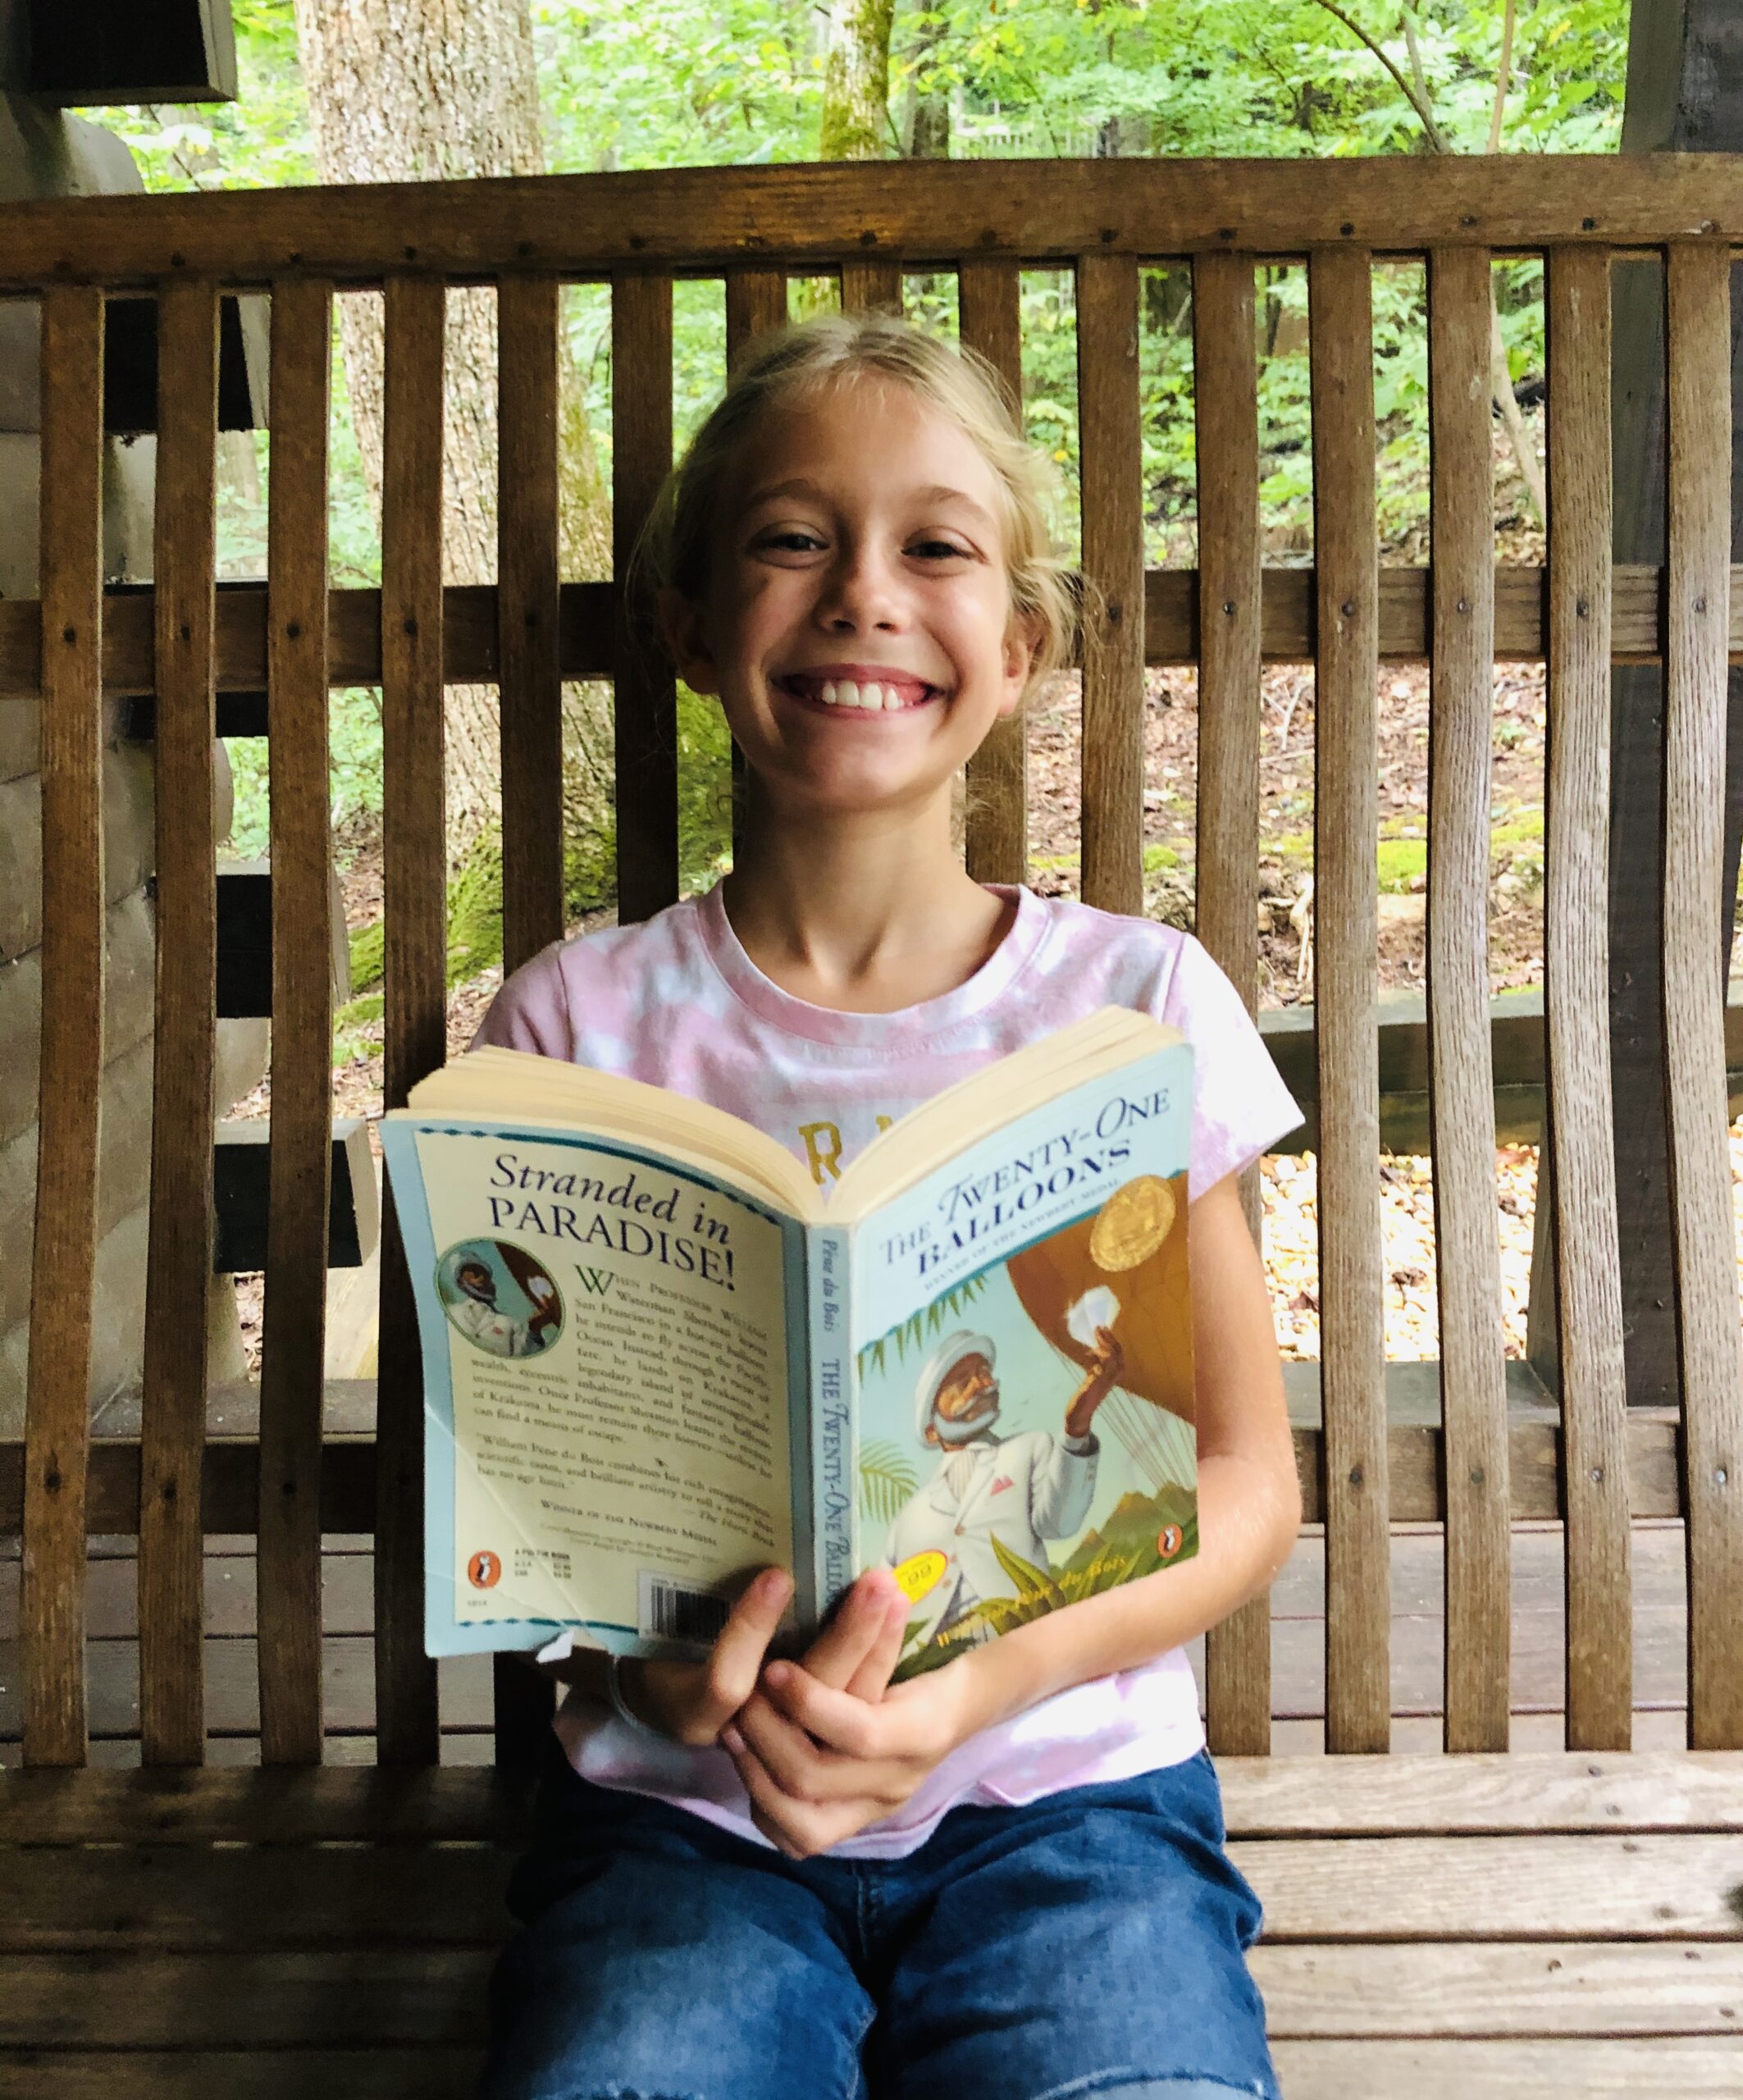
(1132, 1223)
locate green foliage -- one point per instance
(738, 82)
(887, 1480)
(1399, 859)
(916, 1332)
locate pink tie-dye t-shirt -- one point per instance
(678, 1002)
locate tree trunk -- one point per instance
(426, 90)
(928, 113)
(856, 81)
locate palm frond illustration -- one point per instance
(887, 1481)
(923, 1327)
(1037, 1595)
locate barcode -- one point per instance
(670, 1612)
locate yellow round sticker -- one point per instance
(918, 1573)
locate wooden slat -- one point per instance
(415, 910)
(1461, 1991)
(530, 674)
(1225, 383)
(996, 820)
(1595, 1886)
(301, 1161)
(1577, 1000)
(1525, 1794)
(238, 1897)
(531, 720)
(382, 1804)
(63, 1253)
(471, 652)
(1482, 1793)
(1679, 2069)
(233, 1709)
(1676, 2068)
(433, 2074)
(871, 287)
(1299, 1596)
(646, 703)
(1346, 983)
(755, 305)
(232, 1705)
(1461, 1100)
(231, 1498)
(710, 218)
(391, 1997)
(348, 1998)
(1710, 1357)
(179, 1267)
(1113, 539)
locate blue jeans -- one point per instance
(1090, 1944)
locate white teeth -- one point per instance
(872, 695)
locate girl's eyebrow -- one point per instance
(939, 492)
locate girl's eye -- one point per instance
(797, 538)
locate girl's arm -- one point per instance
(819, 1764)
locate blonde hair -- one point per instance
(672, 550)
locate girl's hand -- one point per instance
(693, 1702)
(819, 1763)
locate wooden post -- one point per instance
(1684, 94)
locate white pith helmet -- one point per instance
(939, 1367)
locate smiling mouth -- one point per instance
(846, 697)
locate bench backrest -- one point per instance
(531, 631)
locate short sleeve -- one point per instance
(530, 1011)
(1240, 1104)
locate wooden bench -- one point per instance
(1471, 1920)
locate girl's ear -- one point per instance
(1022, 639)
(682, 623)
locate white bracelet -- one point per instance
(620, 1705)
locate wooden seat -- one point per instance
(1472, 1919)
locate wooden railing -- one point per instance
(984, 221)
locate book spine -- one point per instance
(834, 1457)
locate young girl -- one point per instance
(789, 1880)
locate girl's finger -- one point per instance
(743, 1643)
(771, 1810)
(871, 1679)
(792, 1759)
(838, 1720)
(853, 1633)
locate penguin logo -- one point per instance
(1168, 1541)
(484, 1570)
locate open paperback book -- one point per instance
(657, 1357)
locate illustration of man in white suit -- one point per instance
(1022, 1489)
(478, 1318)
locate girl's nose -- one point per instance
(859, 592)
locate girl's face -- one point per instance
(858, 556)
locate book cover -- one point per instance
(645, 1379)
(1025, 1418)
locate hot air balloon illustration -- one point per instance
(1125, 1269)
